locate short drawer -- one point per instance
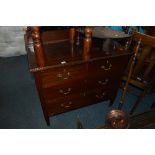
(64, 90)
(101, 66)
(97, 95)
(62, 75)
(103, 81)
(108, 67)
(65, 104)
(100, 81)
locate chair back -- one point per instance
(141, 68)
(145, 39)
(145, 59)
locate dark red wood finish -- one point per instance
(70, 80)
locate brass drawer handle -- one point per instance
(107, 67)
(100, 96)
(63, 76)
(65, 92)
(66, 105)
(103, 82)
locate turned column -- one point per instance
(38, 46)
(87, 41)
(72, 32)
(28, 34)
(72, 35)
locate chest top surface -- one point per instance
(63, 54)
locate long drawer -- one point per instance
(76, 101)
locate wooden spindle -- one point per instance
(87, 41)
(72, 35)
(38, 46)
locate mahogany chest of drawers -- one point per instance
(70, 80)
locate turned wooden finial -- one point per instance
(38, 46)
(87, 40)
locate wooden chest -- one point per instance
(70, 80)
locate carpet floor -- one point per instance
(20, 106)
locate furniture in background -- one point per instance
(142, 65)
(108, 38)
(70, 76)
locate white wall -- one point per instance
(11, 41)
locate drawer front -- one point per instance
(101, 65)
(64, 104)
(72, 102)
(97, 95)
(106, 73)
(102, 81)
(112, 67)
(64, 90)
(63, 74)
